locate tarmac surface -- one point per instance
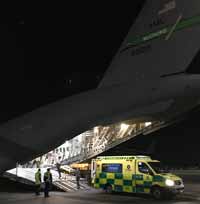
(191, 196)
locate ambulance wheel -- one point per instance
(108, 189)
(170, 196)
(157, 193)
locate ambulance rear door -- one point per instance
(93, 169)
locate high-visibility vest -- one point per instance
(37, 178)
(47, 176)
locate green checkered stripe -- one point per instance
(124, 183)
(143, 186)
(119, 182)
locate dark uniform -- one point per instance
(48, 182)
(78, 176)
(58, 168)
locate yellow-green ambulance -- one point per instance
(134, 174)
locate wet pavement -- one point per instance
(191, 196)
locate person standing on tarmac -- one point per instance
(78, 176)
(38, 182)
(48, 182)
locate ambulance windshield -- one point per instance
(158, 167)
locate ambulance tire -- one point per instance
(108, 188)
(157, 192)
(170, 196)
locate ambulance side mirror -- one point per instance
(147, 171)
(144, 171)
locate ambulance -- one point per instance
(134, 174)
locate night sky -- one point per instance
(68, 49)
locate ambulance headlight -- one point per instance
(169, 182)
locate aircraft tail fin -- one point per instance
(163, 40)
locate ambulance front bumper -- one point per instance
(176, 189)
